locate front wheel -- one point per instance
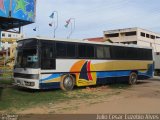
(67, 82)
(132, 78)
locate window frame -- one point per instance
(47, 59)
(147, 35)
(104, 56)
(112, 35)
(86, 46)
(75, 45)
(66, 55)
(152, 36)
(56, 52)
(131, 33)
(143, 34)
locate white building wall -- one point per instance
(137, 39)
(9, 35)
(143, 43)
(157, 45)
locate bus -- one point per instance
(157, 63)
(43, 63)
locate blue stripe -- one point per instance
(49, 85)
(113, 74)
(51, 77)
(149, 72)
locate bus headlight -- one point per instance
(29, 83)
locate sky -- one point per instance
(92, 17)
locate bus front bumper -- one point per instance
(27, 83)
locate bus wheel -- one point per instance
(67, 82)
(132, 78)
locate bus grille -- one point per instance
(27, 76)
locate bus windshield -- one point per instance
(27, 58)
(27, 55)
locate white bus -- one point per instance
(43, 63)
(157, 63)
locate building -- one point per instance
(8, 47)
(135, 35)
(8, 39)
(9, 42)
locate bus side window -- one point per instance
(61, 49)
(71, 50)
(65, 50)
(48, 55)
(100, 52)
(103, 52)
(90, 51)
(86, 51)
(81, 51)
(107, 52)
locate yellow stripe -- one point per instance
(122, 65)
(53, 80)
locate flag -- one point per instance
(52, 15)
(35, 29)
(50, 24)
(67, 23)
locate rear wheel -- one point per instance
(132, 78)
(67, 82)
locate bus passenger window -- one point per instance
(103, 52)
(90, 51)
(100, 53)
(47, 55)
(71, 50)
(81, 51)
(86, 51)
(107, 52)
(60, 49)
(48, 61)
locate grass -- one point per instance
(12, 98)
(6, 82)
(16, 98)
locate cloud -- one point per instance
(95, 16)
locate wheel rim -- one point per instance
(68, 83)
(133, 78)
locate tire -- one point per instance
(67, 82)
(132, 78)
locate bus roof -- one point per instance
(85, 41)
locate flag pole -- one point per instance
(54, 32)
(70, 32)
(38, 31)
(72, 27)
(55, 26)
